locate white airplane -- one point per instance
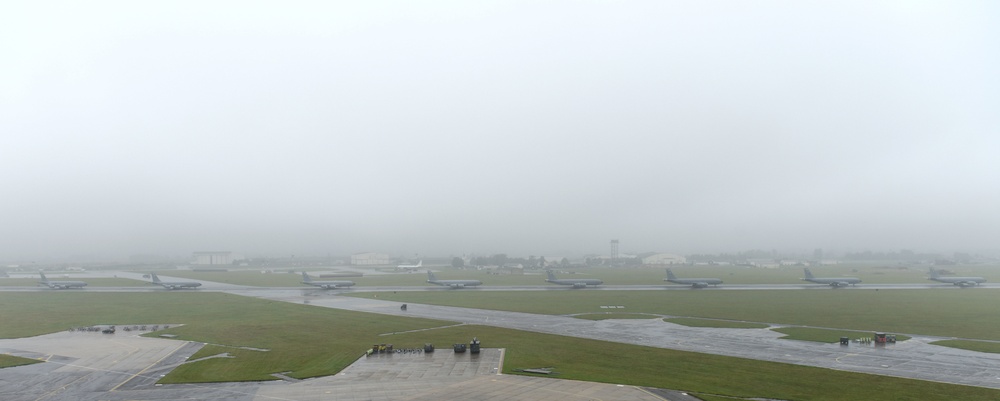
(416, 266)
(959, 281)
(61, 285)
(693, 282)
(326, 284)
(831, 281)
(452, 283)
(575, 282)
(174, 285)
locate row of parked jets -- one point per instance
(834, 282)
(170, 285)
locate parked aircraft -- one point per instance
(61, 285)
(575, 282)
(452, 283)
(959, 281)
(831, 281)
(174, 285)
(694, 282)
(326, 284)
(416, 266)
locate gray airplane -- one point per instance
(694, 282)
(831, 281)
(174, 285)
(61, 285)
(575, 282)
(452, 283)
(326, 284)
(959, 281)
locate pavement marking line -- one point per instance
(568, 394)
(503, 353)
(115, 388)
(647, 392)
(64, 386)
(418, 330)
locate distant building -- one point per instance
(511, 269)
(213, 258)
(554, 260)
(664, 259)
(369, 259)
(764, 263)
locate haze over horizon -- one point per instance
(544, 128)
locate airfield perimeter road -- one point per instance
(914, 358)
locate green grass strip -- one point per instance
(7, 361)
(980, 346)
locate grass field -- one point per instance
(305, 340)
(948, 312)
(7, 361)
(309, 341)
(825, 335)
(980, 346)
(721, 324)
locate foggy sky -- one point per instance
(522, 127)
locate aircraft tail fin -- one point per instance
(154, 277)
(933, 272)
(420, 263)
(44, 280)
(809, 274)
(670, 274)
(430, 276)
(305, 277)
(552, 276)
